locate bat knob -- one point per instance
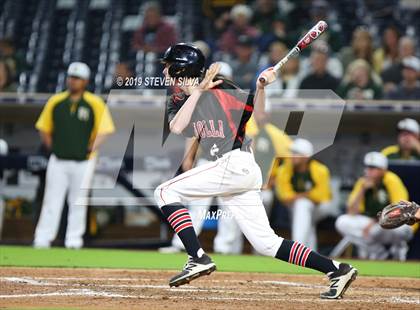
(262, 80)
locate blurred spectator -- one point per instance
(371, 193)
(122, 72)
(361, 47)
(333, 66)
(265, 13)
(155, 35)
(387, 54)
(360, 82)
(218, 27)
(303, 185)
(333, 37)
(409, 88)
(244, 65)
(218, 14)
(319, 78)
(278, 32)
(408, 147)
(406, 47)
(392, 76)
(276, 52)
(297, 13)
(6, 80)
(287, 83)
(240, 16)
(15, 61)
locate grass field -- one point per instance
(18, 256)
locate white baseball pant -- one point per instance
(305, 214)
(236, 179)
(228, 239)
(372, 245)
(65, 177)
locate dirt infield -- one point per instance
(140, 289)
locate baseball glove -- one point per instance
(397, 214)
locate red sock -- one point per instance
(296, 253)
(180, 220)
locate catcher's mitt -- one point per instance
(397, 214)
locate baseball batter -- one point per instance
(229, 238)
(208, 110)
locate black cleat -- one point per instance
(340, 280)
(193, 269)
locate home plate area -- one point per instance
(141, 289)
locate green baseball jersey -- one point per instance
(315, 181)
(394, 152)
(302, 181)
(74, 125)
(390, 190)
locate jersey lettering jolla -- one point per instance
(218, 120)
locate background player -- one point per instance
(408, 146)
(233, 175)
(73, 124)
(371, 193)
(303, 184)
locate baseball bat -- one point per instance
(303, 43)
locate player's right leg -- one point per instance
(198, 263)
(198, 210)
(56, 184)
(195, 184)
(250, 214)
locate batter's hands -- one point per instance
(269, 76)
